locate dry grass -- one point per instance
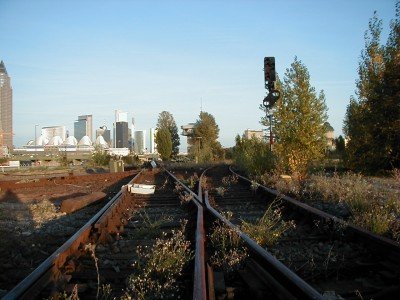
(372, 203)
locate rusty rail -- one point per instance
(48, 270)
(385, 245)
(282, 276)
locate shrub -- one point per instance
(253, 156)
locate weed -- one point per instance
(105, 292)
(230, 179)
(220, 191)
(150, 227)
(229, 253)
(254, 186)
(185, 197)
(158, 267)
(269, 228)
(91, 249)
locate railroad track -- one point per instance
(315, 253)
(105, 249)
(335, 258)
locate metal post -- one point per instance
(270, 132)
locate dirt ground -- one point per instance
(31, 225)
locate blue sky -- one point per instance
(70, 58)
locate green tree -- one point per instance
(164, 143)
(299, 121)
(206, 132)
(166, 121)
(253, 156)
(372, 121)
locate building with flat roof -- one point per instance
(249, 133)
(6, 118)
(83, 126)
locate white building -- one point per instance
(153, 144)
(140, 141)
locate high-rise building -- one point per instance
(153, 145)
(121, 135)
(6, 135)
(140, 141)
(83, 126)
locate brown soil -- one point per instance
(31, 226)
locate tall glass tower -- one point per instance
(6, 135)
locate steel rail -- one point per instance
(48, 271)
(386, 245)
(295, 285)
(199, 280)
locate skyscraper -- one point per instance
(6, 135)
(140, 141)
(121, 135)
(83, 126)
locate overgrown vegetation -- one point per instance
(100, 157)
(372, 123)
(269, 228)
(299, 116)
(229, 253)
(371, 205)
(166, 121)
(253, 156)
(158, 268)
(164, 143)
(207, 148)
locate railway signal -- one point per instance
(269, 69)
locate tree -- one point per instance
(166, 121)
(164, 143)
(253, 156)
(206, 132)
(372, 122)
(299, 121)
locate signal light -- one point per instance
(269, 69)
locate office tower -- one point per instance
(153, 145)
(83, 126)
(121, 135)
(6, 135)
(140, 141)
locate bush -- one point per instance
(253, 156)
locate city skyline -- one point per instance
(143, 58)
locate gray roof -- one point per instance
(3, 68)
